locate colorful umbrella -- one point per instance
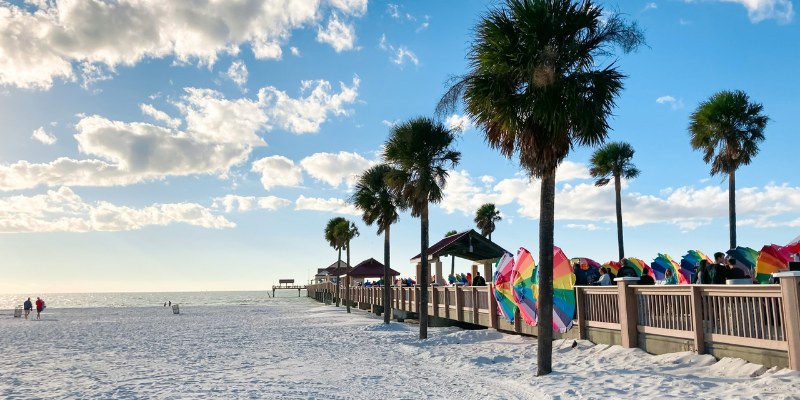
(503, 291)
(662, 263)
(523, 275)
(746, 259)
(588, 270)
(690, 260)
(794, 246)
(638, 265)
(771, 259)
(612, 266)
(563, 292)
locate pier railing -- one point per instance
(701, 318)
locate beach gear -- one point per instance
(662, 263)
(612, 266)
(771, 259)
(564, 306)
(523, 275)
(503, 287)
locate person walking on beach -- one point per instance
(39, 307)
(28, 307)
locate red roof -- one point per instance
(370, 268)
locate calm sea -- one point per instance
(144, 299)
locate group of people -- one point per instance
(466, 279)
(28, 307)
(716, 274)
(377, 283)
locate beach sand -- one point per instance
(297, 348)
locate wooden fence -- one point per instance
(754, 316)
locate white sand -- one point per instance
(297, 348)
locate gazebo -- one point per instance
(470, 245)
(370, 268)
(337, 269)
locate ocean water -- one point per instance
(145, 299)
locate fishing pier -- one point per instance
(287, 284)
(758, 323)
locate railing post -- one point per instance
(790, 281)
(434, 301)
(402, 299)
(697, 320)
(447, 302)
(492, 307)
(459, 303)
(475, 313)
(580, 308)
(417, 292)
(627, 311)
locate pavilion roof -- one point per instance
(469, 245)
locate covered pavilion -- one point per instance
(370, 268)
(469, 245)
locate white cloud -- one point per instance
(295, 51)
(390, 124)
(159, 115)
(43, 136)
(458, 122)
(675, 104)
(277, 171)
(334, 169)
(759, 10)
(650, 6)
(393, 10)
(424, 25)
(333, 205)
(306, 114)
(585, 227)
(237, 72)
(64, 211)
(231, 203)
(46, 41)
(398, 55)
(338, 34)
(569, 170)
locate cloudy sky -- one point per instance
(196, 145)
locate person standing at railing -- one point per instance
(646, 279)
(670, 278)
(605, 279)
(478, 280)
(701, 275)
(718, 272)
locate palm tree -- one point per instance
(614, 160)
(334, 234)
(485, 218)
(378, 204)
(452, 257)
(535, 89)
(420, 152)
(350, 232)
(727, 128)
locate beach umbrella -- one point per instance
(771, 259)
(794, 246)
(523, 275)
(746, 259)
(612, 266)
(662, 263)
(503, 287)
(563, 292)
(638, 265)
(690, 260)
(588, 270)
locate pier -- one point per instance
(757, 323)
(287, 284)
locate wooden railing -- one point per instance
(760, 316)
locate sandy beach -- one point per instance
(297, 348)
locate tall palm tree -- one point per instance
(420, 152)
(535, 89)
(335, 235)
(614, 160)
(350, 232)
(379, 205)
(485, 218)
(727, 128)
(452, 257)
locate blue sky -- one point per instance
(163, 146)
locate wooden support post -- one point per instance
(402, 299)
(435, 301)
(492, 307)
(790, 291)
(517, 321)
(447, 302)
(459, 303)
(627, 312)
(580, 308)
(697, 320)
(475, 306)
(487, 271)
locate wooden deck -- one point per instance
(759, 323)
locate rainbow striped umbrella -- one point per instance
(746, 259)
(523, 276)
(662, 263)
(771, 259)
(612, 266)
(638, 266)
(588, 270)
(563, 292)
(503, 290)
(690, 260)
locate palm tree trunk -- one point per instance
(732, 206)
(338, 291)
(423, 280)
(347, 280)
(618, 190)
(387, 292)
(544, 356)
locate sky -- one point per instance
(203, 145)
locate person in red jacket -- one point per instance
(39, 307)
